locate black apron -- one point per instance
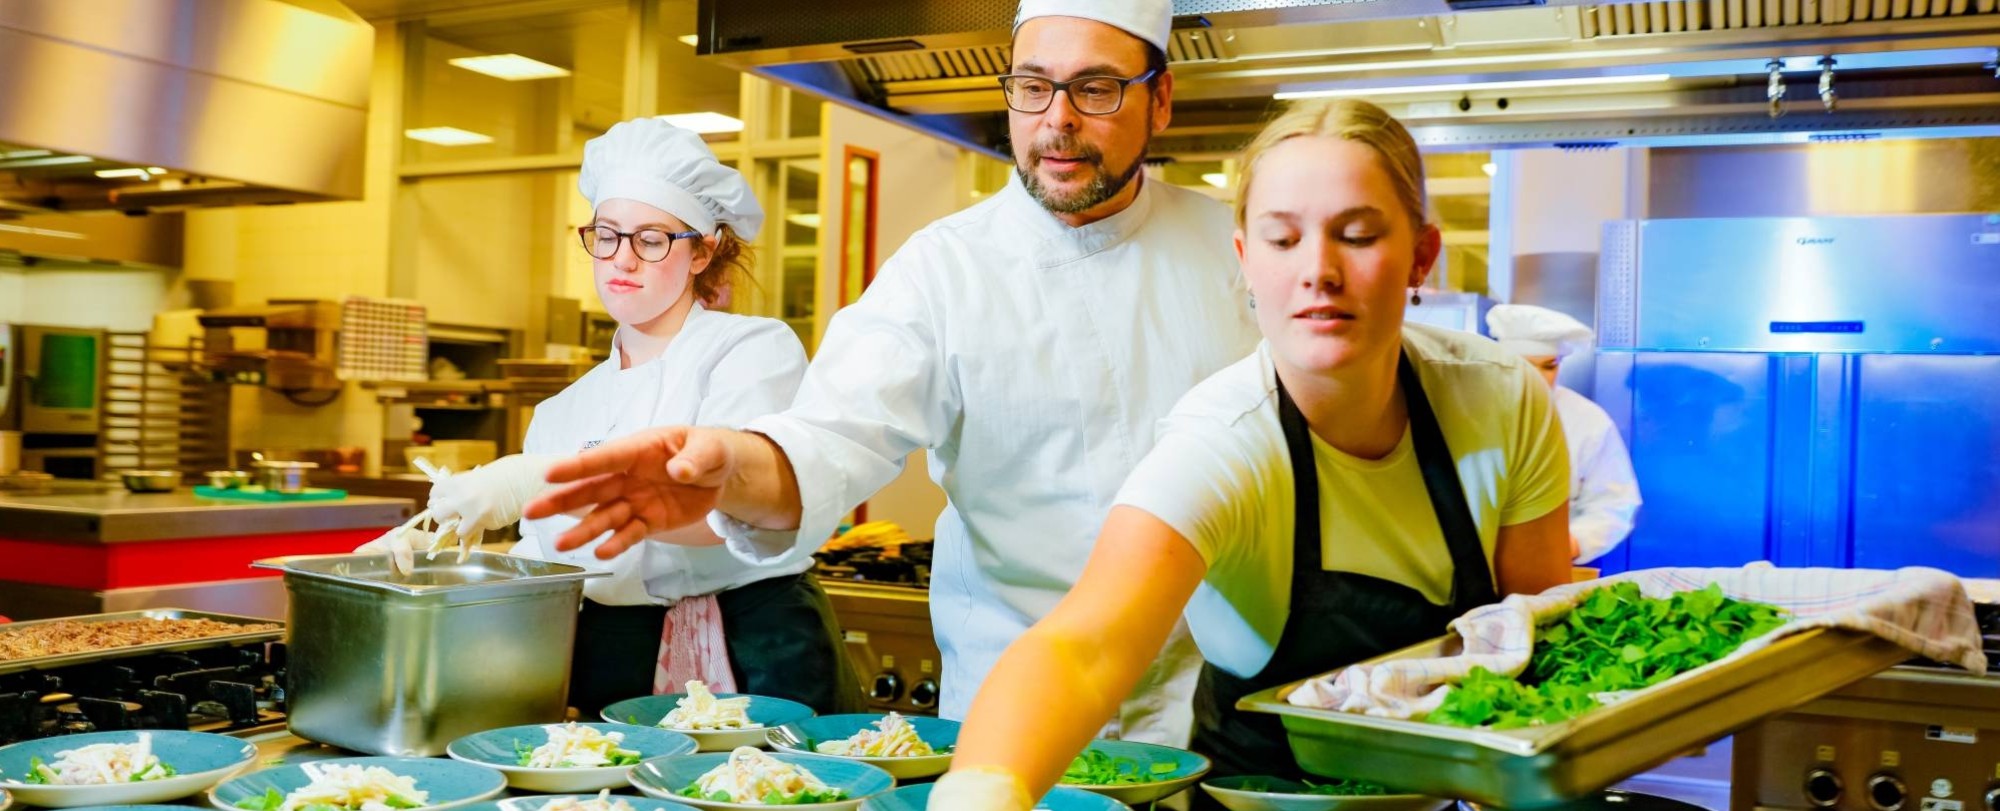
(1339, 618)
(780, 634)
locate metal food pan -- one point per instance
(1549, 765)
(62, 660)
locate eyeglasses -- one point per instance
(649, 244)
(1090, 95)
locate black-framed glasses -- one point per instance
(1089, 95)
(649, 244)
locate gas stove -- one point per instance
(1918, 737)
(223, 689)
(907, 565)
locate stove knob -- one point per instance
(1886, 793)
(888, 687)
(925, 694)
(1823, 788)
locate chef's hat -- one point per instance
(1529, 331)
(1150, 20)
(671, 169)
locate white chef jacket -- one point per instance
(1033, 360)
(1604, 495)
(721, 370)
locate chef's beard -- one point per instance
(1103, 185)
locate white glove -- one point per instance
(489, 497)
(980, 789)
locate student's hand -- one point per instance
(649, 482)
(980, 789)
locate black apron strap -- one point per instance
(1471, 577)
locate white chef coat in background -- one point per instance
(1603, 492)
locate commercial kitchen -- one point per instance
(268, 266)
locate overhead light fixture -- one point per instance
(704, 122)
(1470, 87)
(1489, 168)
(447, 136)
(52, 160)
(803, 220)
(1219, 180)
(25, 153)
(691, 40)
(511, 67)
(156, 170)
(39, 232)
(109, 174)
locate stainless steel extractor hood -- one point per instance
(1474, 74)
(151, 105)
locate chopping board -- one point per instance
(257, 493)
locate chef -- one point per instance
(1029, 343)
(670, 228)
(1604, 495)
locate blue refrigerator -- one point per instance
(1810, 391)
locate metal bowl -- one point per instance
(228, 479)
(150, 481)
(284, 477)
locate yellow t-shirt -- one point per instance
(1221, 477)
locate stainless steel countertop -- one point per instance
(119, 517)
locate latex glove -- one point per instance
(400, 544)
(488, 497)
(980, 788)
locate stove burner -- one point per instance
(217, 689)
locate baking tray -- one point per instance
(62, 660)
(1549, 765)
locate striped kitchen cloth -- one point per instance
(1924, 610)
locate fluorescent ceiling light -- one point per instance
(447, 136)
(705, 122)
(115, 173)
(1219, 180)
(1489, 168)
(1470, 87)
(690, 40)
(803, 220)
(156, 170)
(25, 153)
(40, 232)
(511, 67)
(52, 160)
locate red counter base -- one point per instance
(162, 563)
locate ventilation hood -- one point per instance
(158, 105)
(1477, 74)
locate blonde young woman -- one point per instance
(1346, 490)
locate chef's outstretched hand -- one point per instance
(652, 481)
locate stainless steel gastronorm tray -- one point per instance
(62, 660)
(1557, 763)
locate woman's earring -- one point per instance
(1415, 298)
(1253, 301)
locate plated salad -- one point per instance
(1094, 768)
(700, 710)
(101, 764)
(573, 746)
(893, 736)
(752, 777)
(602, 802)
(334, 787)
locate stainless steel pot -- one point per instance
(150, 481)
(396, 665)
(283, 477)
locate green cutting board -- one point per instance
(256, 493)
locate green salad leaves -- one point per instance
(807, 797)
(1095, 768)
(1337, 788)
(1614, 640)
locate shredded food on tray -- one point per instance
(892, 737)
(101, 764)
(61, 637)
(753, 777)
(573, 746)
(701, 710)
(336, 787)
